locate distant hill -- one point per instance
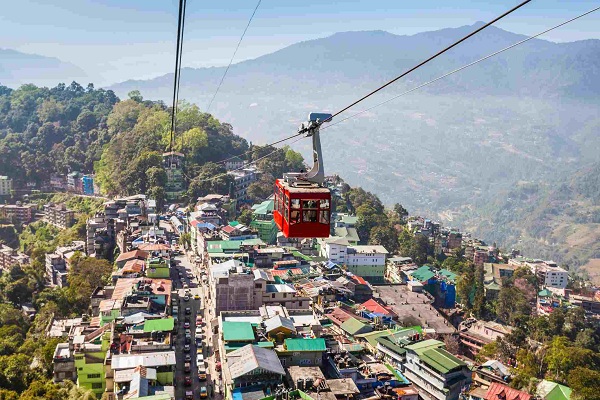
(18, 68)
(539, 67)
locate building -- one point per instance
(551, 275)
(436, 373)
(74, 182)
(59, 215)
(21, 213)
(473, 334)
(263, 222)
(548, 390)
(499, 391)
(367, 261)
(231, 287)
(10, 257)
(87, 184)
(234, 163)
(335, 249)
(57, 264)
(173, 163)
(252, 366)
(241, 180)
(6, 185)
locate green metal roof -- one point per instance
(234, 331)
(354, 326)
(316, 344)
(163, 324)
(451, 276)
(545, 293)
(549, 390)
(234, 223)
(440, 360)
(423, 274)
(264, 208)
(266, 345)
(219, 246)
(349, 219)
(297, 254)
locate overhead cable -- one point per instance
(233, 56)
(476, 31)
(461, 68)
(177, 69)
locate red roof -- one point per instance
(228, 229)
(374, 307)
(130, 255)
(194, 223)
(359, 279)
(134, 266)
(338, 316)
(498, 391)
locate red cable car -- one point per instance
(302, 206)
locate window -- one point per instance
(258, 286)
(97, 385)
(93, 376)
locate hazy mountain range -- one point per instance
(18, 68)
(530, 115)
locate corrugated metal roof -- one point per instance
(299, 344)
(354, 326)
(250, 357)
(497, 391)
(125, 361)
(440, 360)
(279, 322)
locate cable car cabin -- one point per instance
(302, 209)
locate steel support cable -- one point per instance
(398, 77)
(439, 53)
(176, 108)
(233, 56)
(462, 68)
(176, 76)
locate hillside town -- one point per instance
(201, 305)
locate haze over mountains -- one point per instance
(17, 68)
(530, 115)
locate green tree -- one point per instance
(585, 384)
(136, 96)
(385, 236)
(479, 297)
(464, 288)
(563, 358)
(246, 216)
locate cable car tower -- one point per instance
(302, 206)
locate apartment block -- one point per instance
(10, 256)
(6, 185)
(22, 213)
(59, 215)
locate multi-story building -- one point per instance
(335, 249)
(241, 180)
(10, 256)
(6, 185)
(551, 275)
(301, 351)
(74, 182)
(22, 213)
(480, 257)
(263, 222)
(436, 373)
(476, 334)
(454, 240)
(173, 163)
(88, 353)
(59, 215)
(234, 163)
(367, 261)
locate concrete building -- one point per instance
(335, 249)
(301, 351)
(74, 182)
(241, 180)
(475, 334)
(436, 373)
(22, 213)
(6, 185)
(551, 275)
(263, 222)
(10, 256)
(59, 215)
(367, 261)
(252, 366)
(234, 163)
(87, 185)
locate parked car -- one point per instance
(188, 358)
(200, 359)
(187, 381)
(186, 348)
(186, 325)
(188, 339)
(188, 311)
(203, 391)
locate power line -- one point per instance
(233, 56)
(476, 31)
(176, 108)
(462, 68)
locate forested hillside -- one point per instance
(45, 131)
(559, 220)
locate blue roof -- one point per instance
(206, 225)
(330, 265)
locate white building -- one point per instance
(552, 275)
(241, 180)
(334, 248)
(5, 185)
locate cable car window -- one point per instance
(295, 203)
(324, 217)
(286, 210)
(324, 204)
(307, 204)
(309, 216)
(294, 217)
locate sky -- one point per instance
(116, 40)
